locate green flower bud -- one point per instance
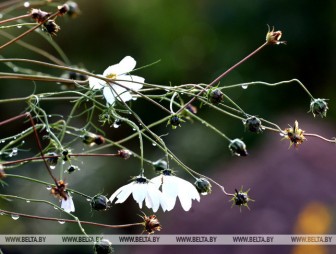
(103, 247)
(253, 124)
(203, 186)
(238, 147)
(216, 96)
(100, 203)
(160, 165)
(319, 107)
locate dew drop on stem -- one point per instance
(61, 222)
(15, 216)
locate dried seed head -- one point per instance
(241, 198)
(295, 135)
(273, 37)
(51, 27)
(319, 107)
(151, 224)
(238, 147)
(203, 186)
(59, 190)
(38, 15)
(62, 9)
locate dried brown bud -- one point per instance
(59, 190)
(125, 154)
(294, 134)
(62, 9)
(273, 37)
(151, 224)
(51, 27)
(38, 15)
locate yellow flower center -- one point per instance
(111, 76)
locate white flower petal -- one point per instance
(157, 181)
(140, 192)
(187, 193)
(126, 65)
(68, 205)
(108, 94)
(96, 83)
(122, 193)
(153, 198)
(124, 95)
(131, 81)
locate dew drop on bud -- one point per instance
(15, 216)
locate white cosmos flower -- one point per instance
(173, 187)
(118, 72)
(141, 189)
(68, 205)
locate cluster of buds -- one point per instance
(294, 134)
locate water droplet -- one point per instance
(115, 125)
(134, 129)
(244, 86)
(281, 134)
(28, 201)
(61, 221)
(52, 167)
(88, 199)
(154, 144)
(55, 207)
(14, 151)
(15, 216)
(48, 187)
(26, 4)
(2, 213)
(19, 28)
(49, 115)
(134, 98)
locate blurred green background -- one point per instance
(195, 41)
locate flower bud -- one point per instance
(216, 96)
(100, 203)
(104, 246)
(72, 169)
(91, 139)
(319, 107)
(238, 147)
(160, 165)
(203, 186)
(52, 160)
(73, 9)
(253, 124)
(125, 154)
(175, 121)
(65, 155)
